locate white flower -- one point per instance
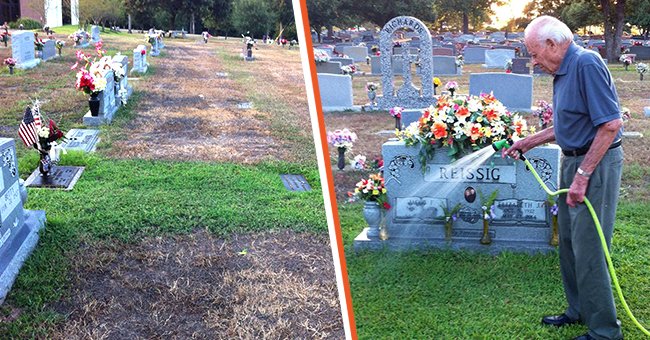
(44, 132)
(474, 105)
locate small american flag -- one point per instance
(28, 127)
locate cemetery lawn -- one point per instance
(444, 294)
(180, 225)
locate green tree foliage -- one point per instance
(379, 12)
(458, 14)
(580, 14)
(256, 16)
(107, 12)
(639, 15)
(324, 13)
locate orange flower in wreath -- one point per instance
(490, 114)
(462, 112)
(439, 130)
(475, 132)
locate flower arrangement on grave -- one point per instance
(11, 63)
(487, 205)
(451, 86)
(396, 112)
(544, 112)
(508, 66)
(150, 38)
(641, 68)
(343, 141)
(79, 36)
(59, 45)
(39, 44)
(626, 59)
(450, 216)
(361, 162)
(349, 69)
(551, 203)
(90, 76)
(371, 89)
(436, 83)
(4, 37)
(371, 189)
(42, 137)
(367, 60)
(463, 123)
(320, 56)
(118, 72)
(460, 61)
(358, 163)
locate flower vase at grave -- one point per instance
(434, 90)
(486, 239)
(45, 164)
(341, 160)
(452, 91)
(372, 215)
(398, 123)
(641, 75)
(93, 102)
(11, 70)
(555, 240)
(372, 95)
(449, 223)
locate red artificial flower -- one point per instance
(386, 205)
(143, 52)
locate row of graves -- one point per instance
(105, 79)
(442, 184)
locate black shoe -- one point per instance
(558, 320)
(584, 337)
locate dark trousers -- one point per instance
(584, 270)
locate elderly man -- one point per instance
(588, 127)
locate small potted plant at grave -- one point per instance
(544, 112)
(451, 86)
(373, 192)
(343, 141)
(396, 112)
(11, 63)
(551, 203)
(372, 94)
(436, 83)
(641, 68)
(626, 59)
(42, 137)
(59, 45)
(487, 205)
(39, 44)
(450, 216)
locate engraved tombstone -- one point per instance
(107, 104)
(49, 49)
(22, 49)
(81, 139)
(123, 84)
(94, 34)
(19, 228)
(140, 59)
(407, 95)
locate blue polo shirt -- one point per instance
(584, 97)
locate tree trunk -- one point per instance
(330, 31)
(192, 24)
(613, 23)
(465, 23)
(130, 23)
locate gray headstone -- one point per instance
(339, 47)
(474, 54)
(407, 96)
(19, 228)
(522, 222)
(335, 91)
(443, 51)
(328, 49)
(49, 49)
(410, 115)
(139, 60)
(107, 104)
(81, 139)
(357, 53)
(498, 58)
(538, 71)
(520, 66)
(123, 61)
(642, 52)
(94, 34)
(343, 61)
(515, 91)
(22, 49)
(375, 65)
(445, 66)
(329, 67)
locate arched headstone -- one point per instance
(407, 95)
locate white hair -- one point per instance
(547, 27)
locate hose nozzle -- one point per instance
(502, 144)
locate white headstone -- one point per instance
(94, 34)
(498, 58)
(335, 91)
(22, 49)
(140, 59)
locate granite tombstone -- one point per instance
(22, 49)
(515, 91)
(335, 91)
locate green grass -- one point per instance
(130, 199)
(458, 295)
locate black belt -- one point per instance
(582, 151)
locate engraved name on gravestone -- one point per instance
(407, 95)
(19, 228)
(22, 49)
(81, 139)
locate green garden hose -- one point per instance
(610, 265)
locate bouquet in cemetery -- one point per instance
(396, 111)
(78, 36)
(349, 69)
(371, 87)
(460, 61)
(359, 162)
(39, 44)
(88, 83)
(451, 86)
(626, 59)
(508, 66)
(60, 44)
(462, 123)
(10, 62)
(41, 133)
(371, 189)
(342, 138)
(320, 56)
(544, 112)
(641, 68)
(118, 71)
